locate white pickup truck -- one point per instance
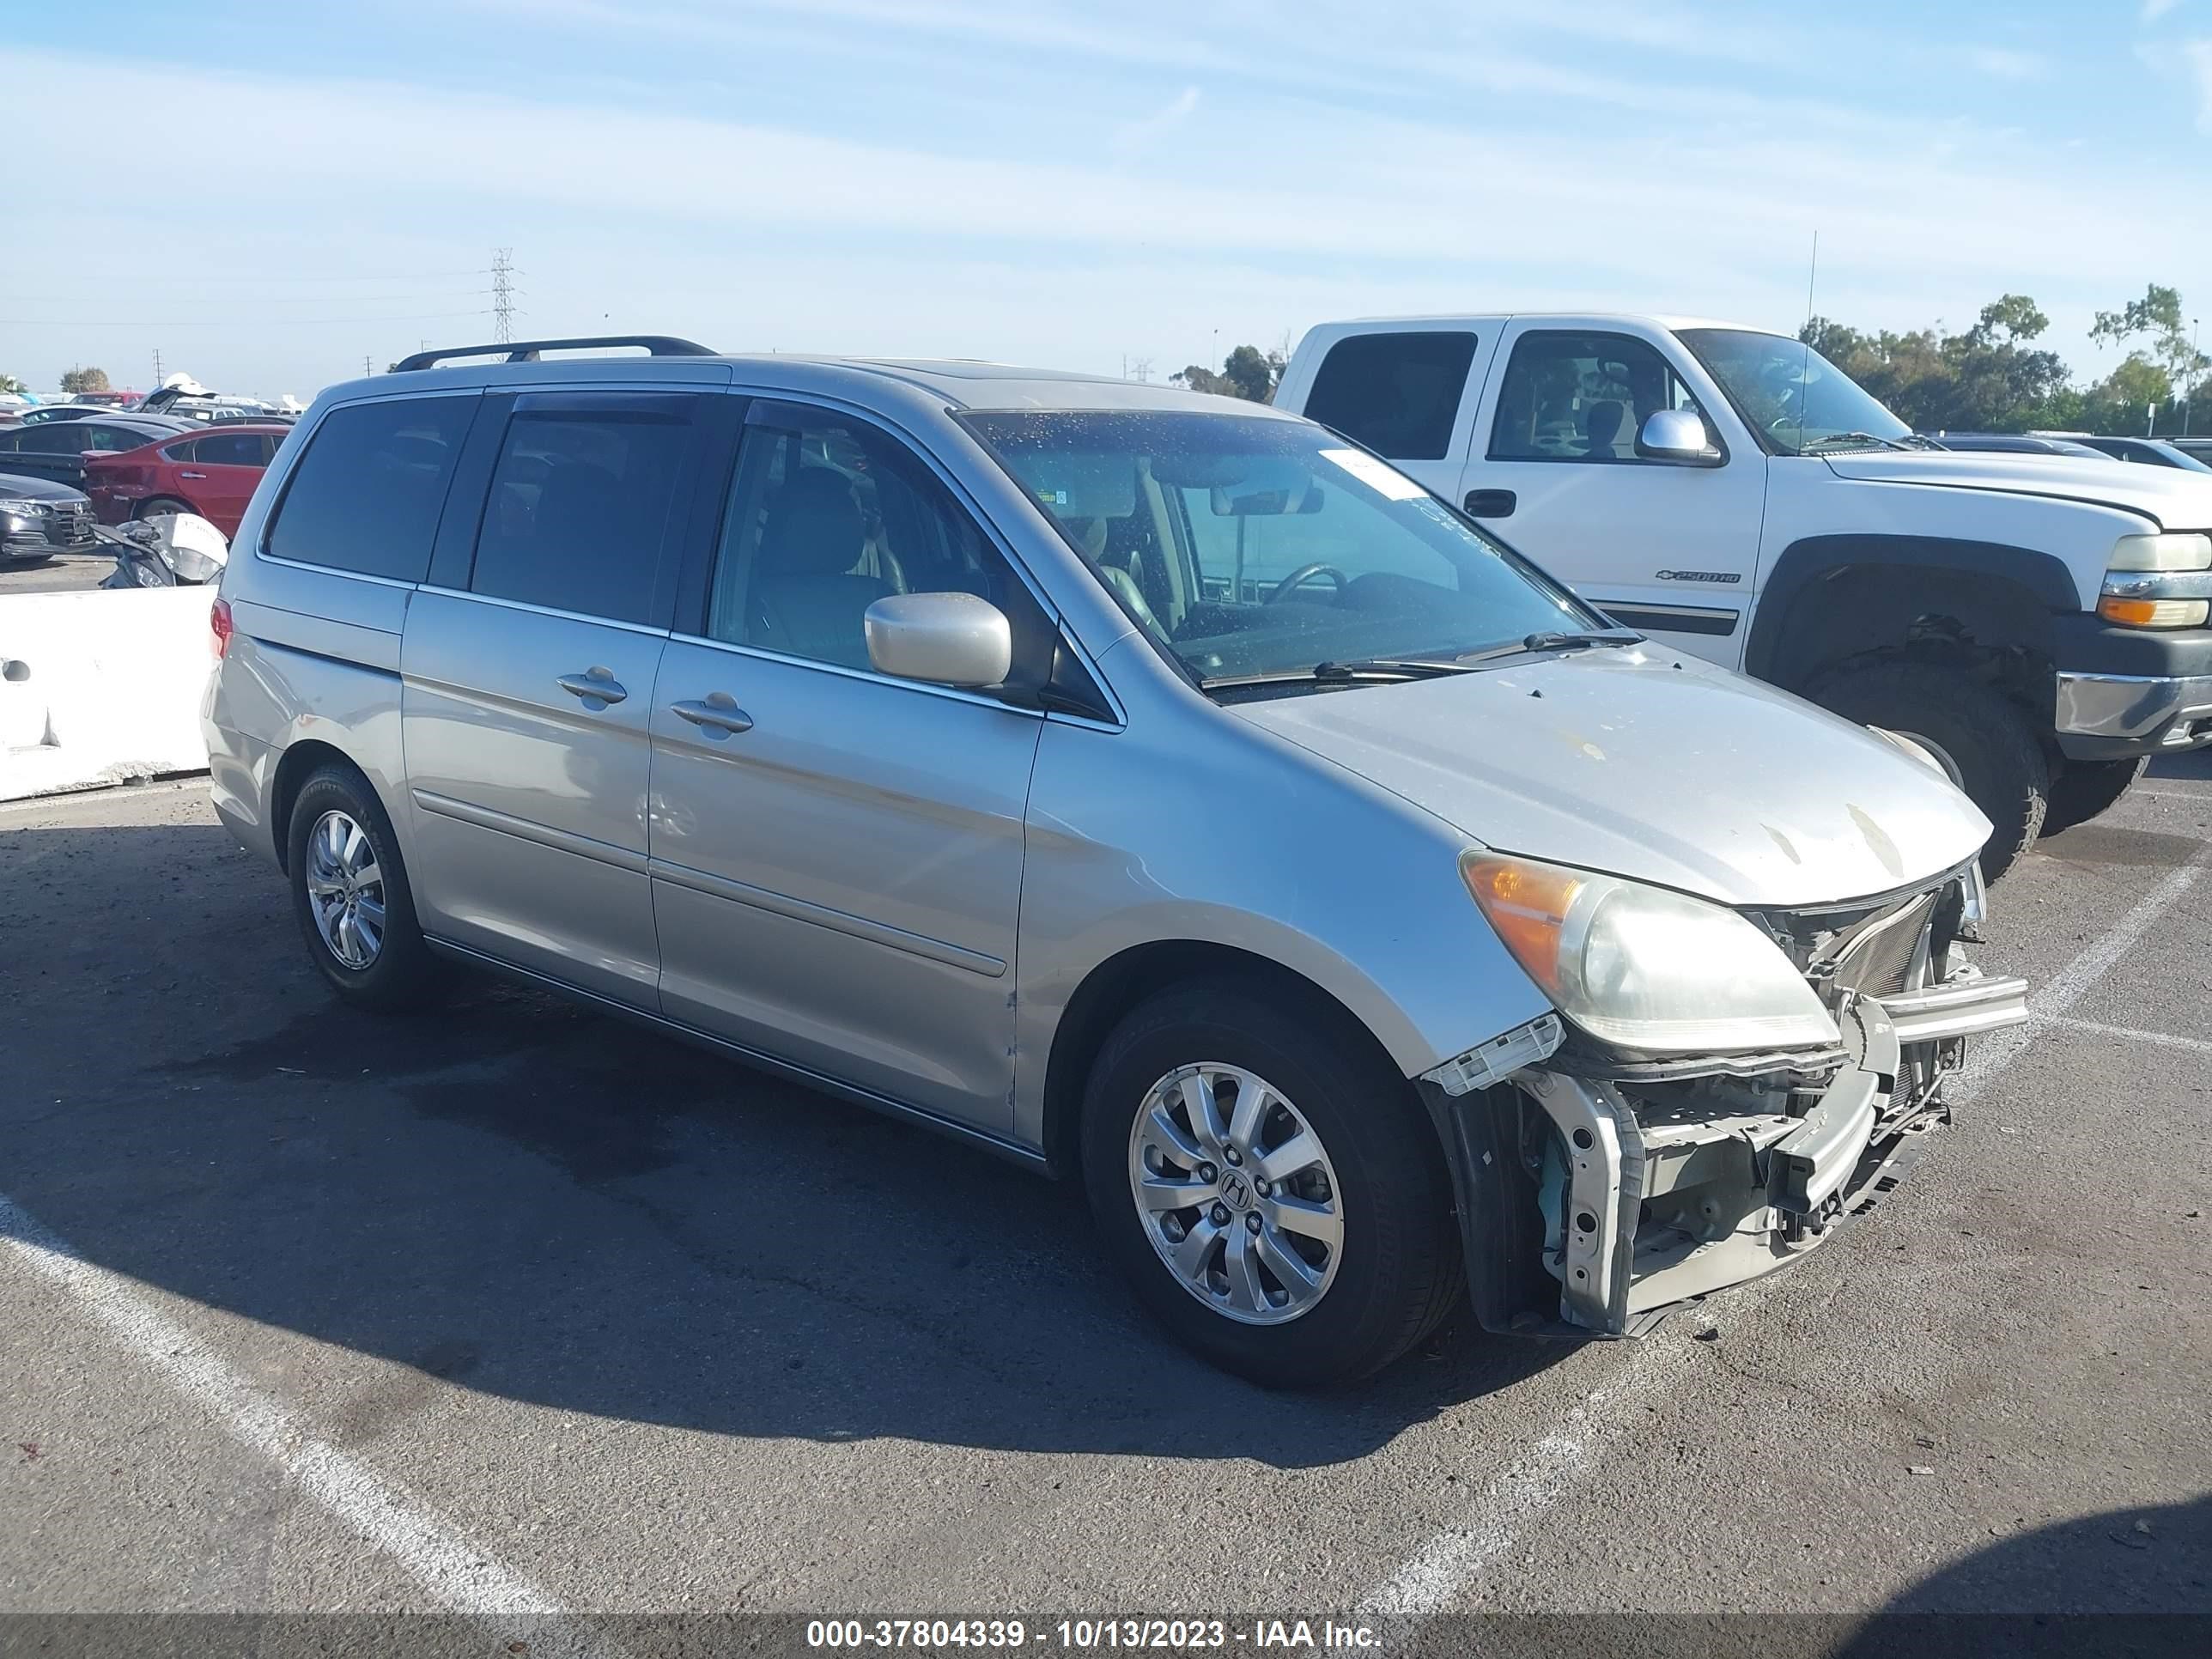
(2039, 622)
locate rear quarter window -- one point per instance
(1397, 393)
(366, 495)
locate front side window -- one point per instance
(1792, 397)
(1398, 393)
(1245, 546)
(1574, 397)
(827, 516)
(581, 507)
(366, 495)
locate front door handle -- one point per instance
(1489, 504)
(598, 687)
(717, 714)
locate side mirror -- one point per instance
(1677, 436)
(946, 639)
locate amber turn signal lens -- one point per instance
(2153, 613)
(1528, 907)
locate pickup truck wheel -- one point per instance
(1986, 740)
(1263, 1176)
(350, 892)
(2085, 789)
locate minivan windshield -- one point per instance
(1795, 399)
(1251, 547)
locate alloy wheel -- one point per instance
(1237, 1193)
(346, 889)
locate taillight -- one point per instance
(219, 625)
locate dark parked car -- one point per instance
(38, 414)
(39, 518)
(2015, 443)
(2145, 452)
(2199, 447)
(56, 449)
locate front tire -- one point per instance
(2089, 789)
(1984, 738)
(350, 894)
(1263, 1177)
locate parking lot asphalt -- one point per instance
(512, 1308)
(65, 573)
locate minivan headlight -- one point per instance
(2167, 552)
(1644, 969)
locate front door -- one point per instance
(836, 855)
(1667, 550)
(529, 686)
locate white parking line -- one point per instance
(461, 1576)
(1435, 1575)
(2156, 1039)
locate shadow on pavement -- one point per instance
(540, 1202)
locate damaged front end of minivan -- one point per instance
(1717, 1090)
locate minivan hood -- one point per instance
(2175, 498)
(1644, 763)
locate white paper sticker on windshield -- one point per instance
(1376, 475)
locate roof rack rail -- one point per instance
(527, 351)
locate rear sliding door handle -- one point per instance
(598, 687)
(717, 714)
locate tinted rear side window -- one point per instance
(580, 508)
(1397, 393)
(366, 494)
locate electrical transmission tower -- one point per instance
(157, 366)
(503, 295)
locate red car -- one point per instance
(210, 472)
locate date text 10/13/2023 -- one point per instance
(1088, 1635)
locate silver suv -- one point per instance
(1146, 786)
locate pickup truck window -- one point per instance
(1398, 393)
(1794, 399)
(1248, 546)
(1577, 397)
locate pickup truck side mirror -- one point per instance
(1677, 436)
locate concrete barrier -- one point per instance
(100, 687)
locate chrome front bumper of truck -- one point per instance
(2146, 713)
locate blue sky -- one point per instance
(289, 188)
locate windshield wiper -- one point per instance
(1856, 439)
(1554, 639)
(1379, 669)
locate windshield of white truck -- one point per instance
(1253, 550)
(1796, 400)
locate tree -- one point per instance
(1251, 374)
(1193, 378)
(78, 380)
(1246, 373)
(2156, 319)
(12, 387)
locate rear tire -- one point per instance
(1986, 737)
(1396, 1269)
(2087, 789)
(161, 504)
(350, 894)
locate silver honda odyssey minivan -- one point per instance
(1154, 788)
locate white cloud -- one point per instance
(1136, 136)
(2196, 55)
(2008, 64)
(1272, 211)
(2154, 9)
